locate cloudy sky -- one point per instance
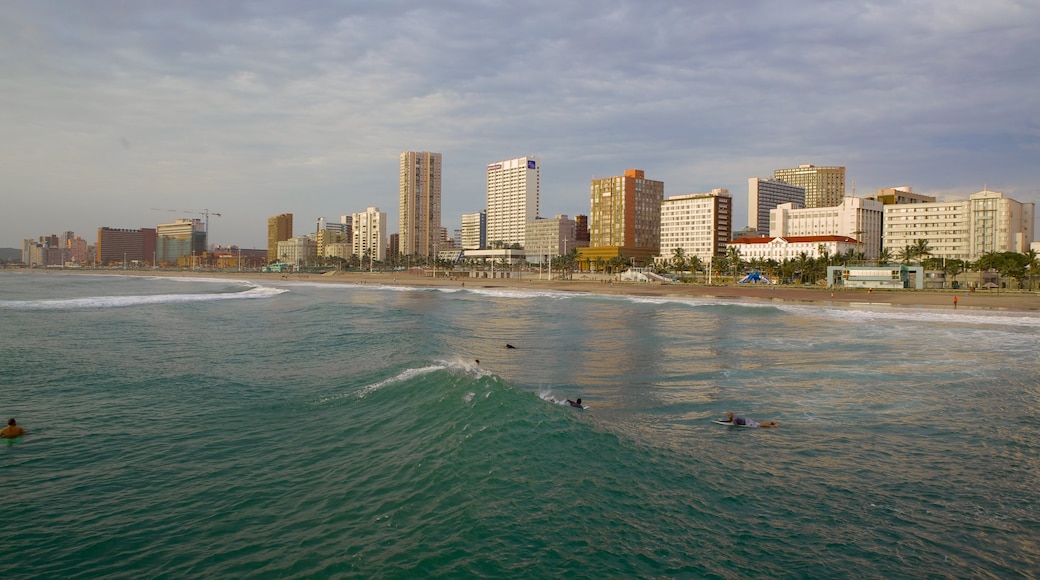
(111, 108)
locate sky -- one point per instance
(130, 113)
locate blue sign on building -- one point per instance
(530, 164)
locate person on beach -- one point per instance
(12, 430)
(738, 420)
(574, 403)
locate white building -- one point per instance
(791, 247)
(699, 223)
(766, 194)
(298, 251)
(964, 230)
(370, 234)
(857, 218)
(474, 230)
(548, 238)
(513, 197)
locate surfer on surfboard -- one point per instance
(575, 403)
(737, 420)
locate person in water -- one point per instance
(509, 346)
(12, 430)
(738, 420)
(574, 403)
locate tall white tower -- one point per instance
(513, 194)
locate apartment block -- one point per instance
(699, 223)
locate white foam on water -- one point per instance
(253, 293)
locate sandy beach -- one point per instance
(1017, 300)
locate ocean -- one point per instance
(208, 428)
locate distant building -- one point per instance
(699, 223)
(474, 230)
(964, 230)
(329, 233)
(549, 238)
(299, 251)
(419, 217)
(513, 198)
(370, 234)
(121, 246)
(824, 186)
(854, 217)
(903, 194)
(581, 230)
(184, 238)
(766, 194)
(791, 247)
(624, 219)
(279, 228)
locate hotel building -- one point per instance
(824, 186)
(279, 228)
(783, 248)
(699, 223)
(766, 194)
(419, 217)
(854, 217)
(119, 246)
(513, 197)
(964, 230)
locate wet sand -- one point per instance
(1016, 300)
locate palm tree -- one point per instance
(1032, 264)
(735, 263)
(678, 260)
(884, 256)
(906, 255)
(921, 248)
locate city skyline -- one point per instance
(252, 111)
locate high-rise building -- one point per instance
(513, 197)
(824, 186)
(549, 238)
(855, 218)
(120, 246)
(370, 234)
(419, 218)
(474, 230)
(626, 211)
(184, 238)
(766, 194)
(279, 229)
(699, 223)
(964, 230)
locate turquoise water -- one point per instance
(221, 429)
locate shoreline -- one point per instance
(1017, 300)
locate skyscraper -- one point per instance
(824, 186)
(513, 197)
(279, 229)
(419, 218)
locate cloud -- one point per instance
(111, 107)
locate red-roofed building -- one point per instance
(791, 247)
